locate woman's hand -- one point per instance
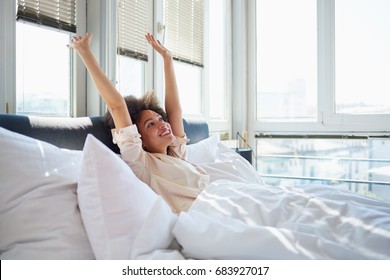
(157, 46)
(80, 43)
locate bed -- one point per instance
(60, 200)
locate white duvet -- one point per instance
(248, 221)
(240, 218)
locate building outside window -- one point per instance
(322, 101)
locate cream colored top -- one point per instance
(171, 176)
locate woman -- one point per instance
(151, 142)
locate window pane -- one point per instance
(189, 82)
(131, 76)
(359, 165)
(217, 47)
(362, 56)
(286, 59)
(42, 71)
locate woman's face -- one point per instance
(156, 134)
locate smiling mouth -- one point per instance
(166, 132)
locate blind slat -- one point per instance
(53, 13)
(133, 24)
(184, 30)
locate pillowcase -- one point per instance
(204, 151)
(115, 204)
(39, 216)
(154, 240)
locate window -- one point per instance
(322, 66)
(217, 59)
(362, 57)
(43, 71)
(189, 82)
(130, 76)
(180, 25)
(133, 23)
(286, 60)
(184, 21)
(356, 164)
(43, 62)
(322, 108)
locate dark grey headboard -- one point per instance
(70, 133)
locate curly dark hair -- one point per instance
(148, 101)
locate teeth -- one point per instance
(164, 133)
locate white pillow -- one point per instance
(204, 151)
(114, 203)
(148, 244)
(39, 215)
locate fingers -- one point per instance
(77, 38)
(149, 38)
(156, 44)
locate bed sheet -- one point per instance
(238, 217)
(232, 220)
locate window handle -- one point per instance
(161, 28)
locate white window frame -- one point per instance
(219, 125)
(242, 80)
(79, 71)
(8, 55)
(328, 121)
(98, 24)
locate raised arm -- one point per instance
(114, 100)
(172, 100)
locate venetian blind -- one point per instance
(184, 30)
(59, 14)
(133, 24)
